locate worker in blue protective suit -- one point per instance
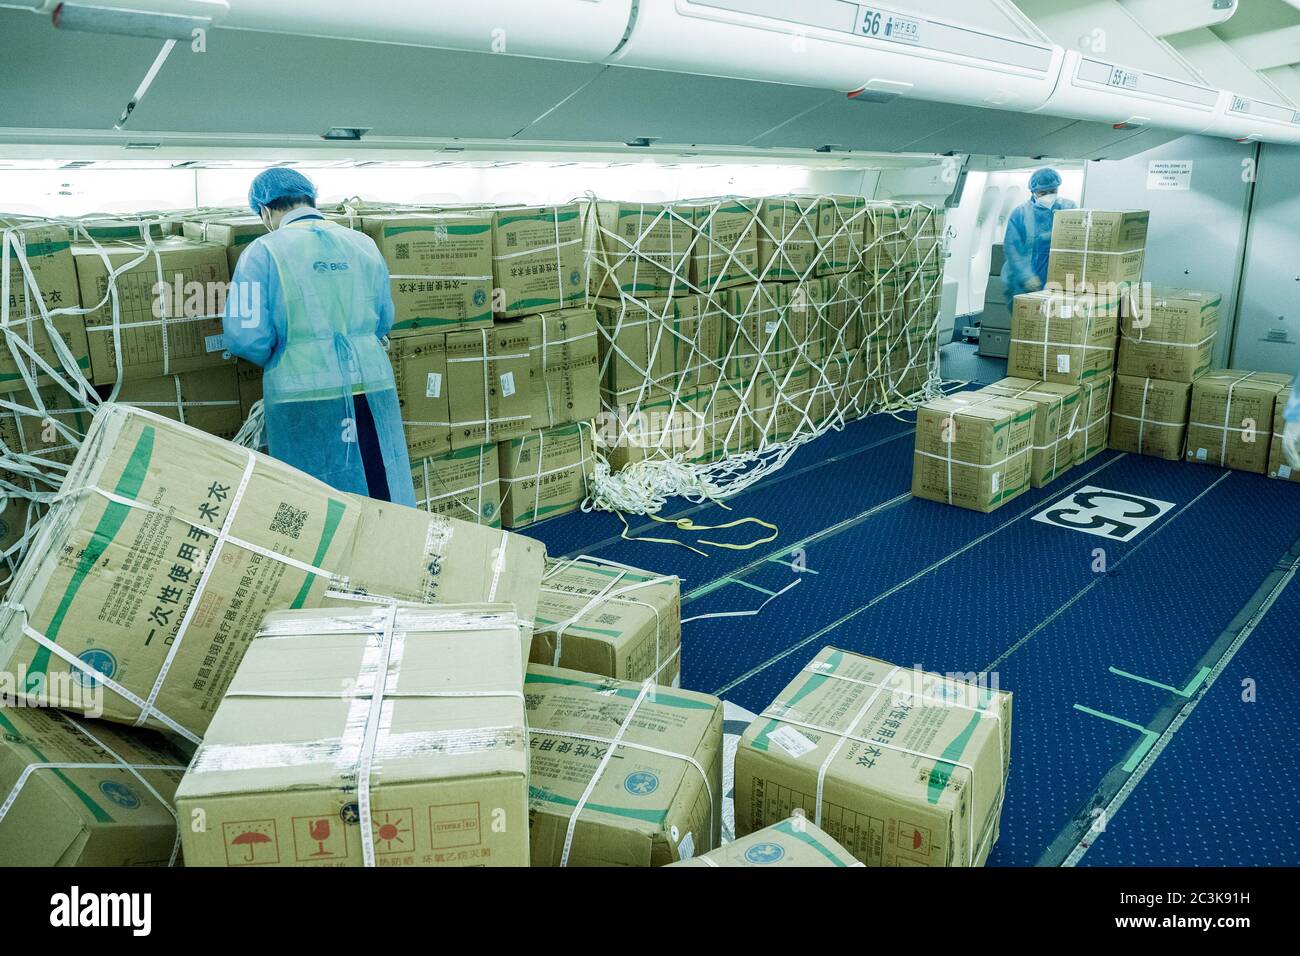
(1291, 427)
(310, 303)
(1029, 235)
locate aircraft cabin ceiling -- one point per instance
(1072, 79)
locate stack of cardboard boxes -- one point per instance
(730, 327)
(980, 450)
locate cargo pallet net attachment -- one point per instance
(50, 316)
(735, 330)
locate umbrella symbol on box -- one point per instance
(250, 838)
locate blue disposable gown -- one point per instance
(1026, 246)
(310, 303)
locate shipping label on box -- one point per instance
(440, 269)
(170, 304)
(638, 767)
(601, 617)
(901, 767)
(437, 732)
(1149, 416)
(539, 260)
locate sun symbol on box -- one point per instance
(394, 831)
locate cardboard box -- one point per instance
(843, 312)
(636, 344)
(1062, 338)
(1278, 466)
(601, 617)
(565, 367)
(1149, 416)
(236, 233)
(440, 269)
(177, 291)
(973, 450)
(545, 473)
(725, 253)
(1168, 334)
(787, 237)
(139, 598)
(538, 259)
(464, 484)
(792, 842)
(207, 399)
(420, 374)
(694, 340)
(74, 800)
(1097, 251)
(840, 234)
(642, 807)
(841, 742)
(642, 249)
(49, 257)
(442, 744)
(1231, 416)
(489, 385)
(753, 327)
(1056, 418)
(634, 427)
(723, 424)
(1093, 429)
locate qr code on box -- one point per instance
(288, 520)
(403, 250)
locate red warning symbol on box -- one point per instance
(393, 830)
(316, 839)
(251, 843)
(914, 838)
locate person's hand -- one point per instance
(1032, 284)
(1291, 444)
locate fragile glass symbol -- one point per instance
(320, 832)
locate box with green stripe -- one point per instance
(792, 842)
(1168, 333)
(49, 258)
(900, 766)
(464, 484)
(75, 803)
(840, 222)
(606, 618)
(50, 433)
(440, 268)
(641, 249)
(787, 237)
(1092, 430)
(973, 450)
(126, 559)
(726, 251)
(1056, 418)
(545, 473)
(633, 773)
(1057, 337)
(539, 259)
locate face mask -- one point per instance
(1047, 200)
(266, 221)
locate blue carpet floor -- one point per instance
(1100, 662)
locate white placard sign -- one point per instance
(1116, 515)
(1165, 174)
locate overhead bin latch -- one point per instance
(880, 91)
(1133, 122)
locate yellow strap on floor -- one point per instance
(686, 524)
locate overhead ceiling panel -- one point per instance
(1222, 66)
(624, 103)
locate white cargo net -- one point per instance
(734, 330)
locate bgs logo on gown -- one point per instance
(323, 267)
